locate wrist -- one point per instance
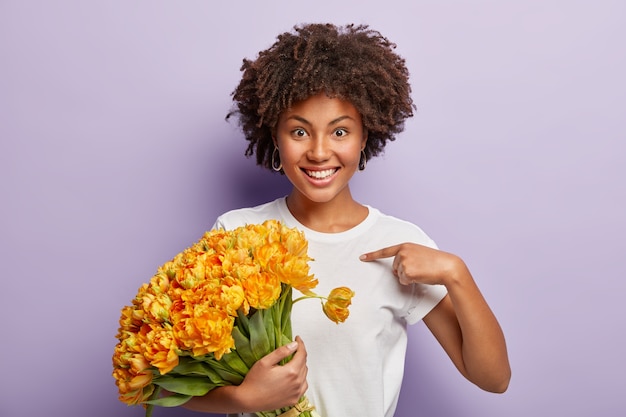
(242, 400)
(456, 274)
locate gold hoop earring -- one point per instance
(274, 158)
(362, 161)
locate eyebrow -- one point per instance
(332, 122)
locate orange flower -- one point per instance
(160, 282)
(232, 298)
(191, 270)
(129, 320)
(160, 349)
(295, 272)
(231, 259)
(274, 230)
(295, 242)
(133, 389)
(206, 330)
(157, 306)
(138, 363)
(131, 376)
(269, 255)
(250, 236)
(261, 288)
(218, 241)
(336, 306)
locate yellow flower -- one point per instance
(261, 288)
(138, 363)
(232, 258)
(160, 349)
(269, 255)
(157, 306)
(205, 330)
(132, 377)
(295, 242)
(133, 389)
(129, 320)
(336, 306)
(191, 271)
(295, 272)
(160, 282)
(232, 298)
(250, 236)
(218, 241)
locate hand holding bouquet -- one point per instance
(210, 313)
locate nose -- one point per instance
(319, 149)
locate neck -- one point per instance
(338, 215)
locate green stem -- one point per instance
(304, 297)
(154, 396)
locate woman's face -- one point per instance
(320, 141)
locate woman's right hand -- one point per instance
(269, 385)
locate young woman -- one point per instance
(316, 106)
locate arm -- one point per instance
(267, 386)
(462, 322)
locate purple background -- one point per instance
(115, 155)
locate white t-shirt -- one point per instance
(354, 368)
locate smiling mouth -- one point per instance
(320, 175)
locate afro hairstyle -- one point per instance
(352, 62)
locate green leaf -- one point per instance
(285, 340)
(186, 385)
(286, 306)
(191, 366)
(242, 345)
(155, 394)
(243, 323)
(173, 400)
(259, 343)
(233, 360)
(286, 331)
(270, 329)
(227, 374)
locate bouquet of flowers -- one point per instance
(210, 313)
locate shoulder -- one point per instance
(249, 215)
(396, 229)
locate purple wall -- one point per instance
(114, 155)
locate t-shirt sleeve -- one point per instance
(219, 224)
(426, 298)
(229, 221)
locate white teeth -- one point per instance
(320, 174)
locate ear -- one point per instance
(364, 141)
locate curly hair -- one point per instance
(353, 62)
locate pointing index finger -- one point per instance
(380, 253)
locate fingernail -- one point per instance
(363, 257)
(292, 346)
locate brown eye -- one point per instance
(299, 133)
(340, 133)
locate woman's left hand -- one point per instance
(413, 263)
